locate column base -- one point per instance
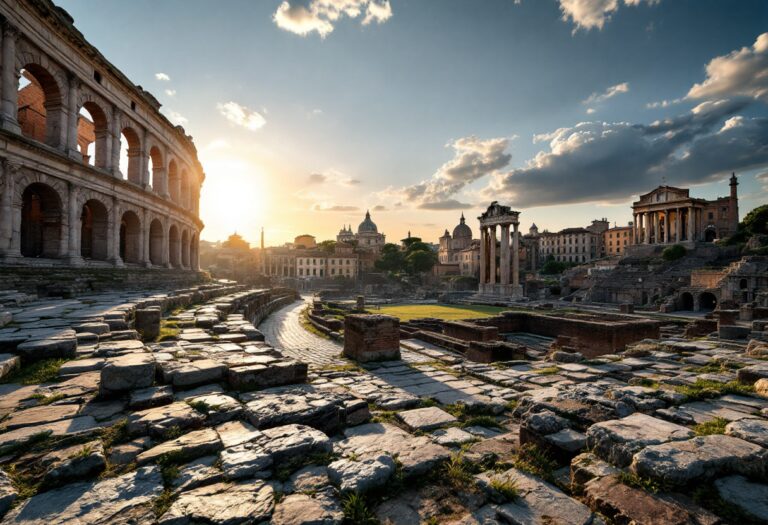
(117, 262)
(502, 291)
(75, 260)
(10, 125)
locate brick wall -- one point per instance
(470, 331)
(371, 337)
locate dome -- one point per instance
(367, 226)
(462, 230)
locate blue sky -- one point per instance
(422, 109)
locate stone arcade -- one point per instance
(65, 201)
(495, 276)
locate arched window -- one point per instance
(185, 249)
(94, 230)
(130, 238)
(130, 155)
(174, 182)
(40, 106)
(174, 247)
(156, 239)
(92, 135)
(156, 169)
(41, 221)
(184, 193)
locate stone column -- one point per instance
(646, 228)
(114, 164)
(656, 224)
(483, 254)
(115, 220)
(144, 160)
(9, 81)
(7, 181)
(634, 228)
(504, 264)
(689, 225)
(678, 225)
(492, 267)
(515, 257)
(75, 221)
(667, 225)
(73, 115)
(145, 240)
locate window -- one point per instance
(97, 76)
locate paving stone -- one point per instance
(158, 421)
(752, 374)
(127, 372)
(236, 433)
(292, 442)
(324, 411)
(751, 498)
(153, 396)
(426, 419)
(218, 408)
(701, 458)
(361, 475)
(625, 504)
(197, 473)
(222, 504)
(78, 366)
(588, 466)
(78, 462)
(451, 436)
(189, 446)
(255, 377)
(246, 460)
(39, 415)
(125, 453)
(752, 430)
(61, 344)
(540, 502)
(418, 455)
(94, 503)
(617, 440)
(8, 363)
(65, 427)
(302, 509)
(311, 478)
(8, 493)
(197, 373)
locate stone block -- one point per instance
(147, 323)
(751, 498)
(197, 373)
(733, 331)
(752, 374)
(627, 308)
(426, 419)
(256, 377)
(8, 493)
(126, 373)
(8, 363)
(189, 446)
(62, 345)
(371, 337)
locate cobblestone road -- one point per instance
(283, 330)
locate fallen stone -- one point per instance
(426, 419)
(196, 474)
(311, 478)
(751, 498)
(8, 493)
(700, 459)
(236, 433)
(197, 373)
(147, 322)
(361, 475)
(256, 377)
(218, 408)
(752, 430)
(158, 421)
(292, 442)
(761, 387)
(127, 372)
(588, 466)
(752, 374)
(8, 363)
(78, 462)
(302, 509)
(323, 411)
(189, 446)
(451, 436)
(125, 453)
(617, 440)
(222, 504)
(94, 503)
(246, 460)
(153, 396)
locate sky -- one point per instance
(307, 113)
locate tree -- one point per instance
(420, 261)
(327, 246)
(391, 259)
(674, 252)
(418, 246)
(756, 221)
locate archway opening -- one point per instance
(686, 302)
(710, 235)
(743, 284)
(130, 155)
(174, 182)
(156, 243)
(707, 302)
(94, 230)
(130, 238)
(156, 169)
(92, 135)
(185, 249)
(41, 221)
(174, 247)
(40, 106)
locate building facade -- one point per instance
(452, 246)
(367, 237)
(573, 245)
(305, 264)
(64, 199)
(670, 215)
(617, 239)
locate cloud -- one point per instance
(241, 115)
(763, 178)
(663, 103)
(591, 14)
(379, 207)
(332, 177)
(307, 16)
(743, 72)
(177, 118)
(600, 161)
(473, 159)
(162, 77)
(596, 98)
(338, 208)
(170, 92)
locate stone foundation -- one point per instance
(470, 331)
(371, 337)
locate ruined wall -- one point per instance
(706, 278)
(470, 331)
(371, 337)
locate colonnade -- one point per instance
(500, 278)
(668, 225)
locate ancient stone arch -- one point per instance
(185, 249)
(157, 251)
(174, 246)
(130, 246)
(158, 173)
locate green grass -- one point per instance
(47, 400)
(163, 502)
(638, 482)
(549, 371)
(536, 461)
(457, 472)
(481, 421)
(505, 488)
(356, 511)
(715, 426)
(43, 371)
(169, 331)
(703, 389)
(716, 367)
(408, 312)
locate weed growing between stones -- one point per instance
(115, 434)
(716, 367)
(648, 383)
(172, 433)
(36, 440)
(307, 325)
(715, 426)
(703, 389)
(536, 461)
(169, 331)
(43, 371)
(163, 502)
(481, 421)
(47, 400)
(356, 510)
(458, 472)
(505, 488)
(549, 371)
(639, 482)
(25, 485)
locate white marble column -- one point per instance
(515, 256)
(9, 80)
(656, 224)
(504, 263)
(678, 225)
(492, 269)
(646, 228)
(483, 254)
(75, 222)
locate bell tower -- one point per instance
(733, 206)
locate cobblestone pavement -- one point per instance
(283, 330)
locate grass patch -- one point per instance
(506, 488)
(169, 331)
(172, 433)
(47, 400)
(408, 312)
(716, 367)
(642, 483)
(536, 461)
(357, 511)
(549, 371)
(163, 502)
(25, 486)
(703, 389)
(481, 421)
(341, 368)
(117, 433)
(33, 441)
(307, 325)
(43, 371)
(715, 426)
(648, 383)
(458, 472)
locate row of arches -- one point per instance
(103, 138)
(42, 233)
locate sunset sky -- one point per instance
(307, 113)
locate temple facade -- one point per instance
(499, 277)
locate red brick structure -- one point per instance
(470, 331)
(371, 337)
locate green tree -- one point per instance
(327, 246)
(674, 252)
(420, 261)
(756, 221)
(392, 259)
(553, 267)
(417, 246)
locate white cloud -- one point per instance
(743, 72)
(332, 177)
(241, 115)
(590, 111)
(177, 118)
(162, 77)
(591, 14)
(307, 16)
(663, 103)
(334, 207)
(596, 98)
(170, 92)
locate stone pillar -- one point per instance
(143, 160)
(73, 115)
(7, 182)
(159, 175)
(515, 256)
(115, 153)
(75, 221)
(634, 228)
(483, 255)
(10, 81)
(667, 225)
(656, 224)
(678, 225)
(145, 240)
(646, 228)
(492, 258)
(115, 225)
(504, 264)
(689, 225)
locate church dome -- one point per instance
(462, 230)
(367, 226)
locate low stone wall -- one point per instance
(439, 339)
(489, 352)
(470, 331)
(371, 337)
